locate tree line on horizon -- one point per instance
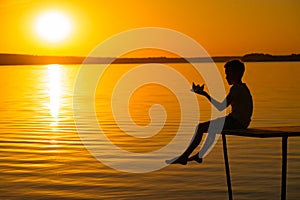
(23, 59)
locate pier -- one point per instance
(267, 132)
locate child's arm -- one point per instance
(219, 105)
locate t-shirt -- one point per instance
(242, 104)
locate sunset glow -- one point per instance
(150, 99)
(221, 27)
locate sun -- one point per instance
(53, 26)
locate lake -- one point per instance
(42, 155)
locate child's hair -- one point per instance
(235, 66)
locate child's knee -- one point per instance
(202, 127)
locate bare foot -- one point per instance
(178, 160)
(195, 158)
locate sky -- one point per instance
(222, 27)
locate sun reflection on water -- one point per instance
(54, 90)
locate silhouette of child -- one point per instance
(239, 98)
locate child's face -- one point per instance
(231, 77)
(228, 78)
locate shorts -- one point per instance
(232, 123)
(214, 125)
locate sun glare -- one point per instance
(53, 26)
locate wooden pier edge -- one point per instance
(265, 132)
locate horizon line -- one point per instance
(162, 56)
(25, 59)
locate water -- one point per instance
(42, 156)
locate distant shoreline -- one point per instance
(23, 59)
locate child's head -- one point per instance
(234, 71)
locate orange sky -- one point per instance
(222, 27)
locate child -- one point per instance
(241, 103)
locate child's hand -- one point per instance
(198, 89)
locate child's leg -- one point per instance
(200, 129)
(215, 128)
